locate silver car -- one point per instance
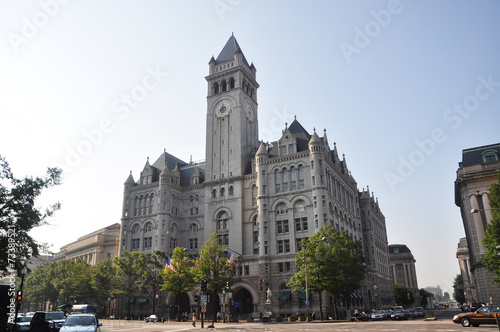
(81, 323)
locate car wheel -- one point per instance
(465, 322)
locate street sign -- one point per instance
(203, 308)
(203, 299)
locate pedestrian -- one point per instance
(356, 314)
(218, 316)
(260, 316)
(194, 319)
(270, 316)
(313, 316)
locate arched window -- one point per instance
(281, 208)
(231, 83)
(224, 85)
(222, 192)
(148, 228)
(231, 191)
(191, 197)
(300, 206)
(216, 88)
(489, 156)
(222, 221)
(193, 229)
(135, 229)
(214, 193)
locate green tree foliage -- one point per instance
(492, 238)
(424, 296)
(403, 296)
(458, 289)
(180, 276)
(335, 265)
(126, 282)
(102, 280)
(38, 286)
(18, 214)
(213, 266)
(149, 267)
(71, 279)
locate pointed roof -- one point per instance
(315, 138)
(130, 179)
(229, 50)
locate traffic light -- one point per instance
(19, 295)
(197, 298)
(203, 285)
(228, 287)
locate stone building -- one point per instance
(260, 198)
(403, 269)
(465, 271)
(93, 248)
(477, 171)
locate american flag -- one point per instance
(230, 257)
(168, 265)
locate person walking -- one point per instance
(194, 319)
(356, 314)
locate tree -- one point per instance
(126, 280)
(18, 215)
(71, 279)
(38, 287)
(458, 289)
(335, 265)
(102, 280)
(214, 267)
(424, 296)
(149, 268)
(179, 275)
(492, 238)
(403, 296)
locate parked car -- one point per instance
(378, 315)
(152, 318)
(387, 314)
(418, 312)
(45, 321)
(81, 323)
(408, 313)
(398, 313)
(483, 315)
(361, 316)
(23, 324)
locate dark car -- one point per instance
(23, 324)
(418, 312)
(483, 315)
(45, 321)
(398, 313)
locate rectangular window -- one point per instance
(288, 267)
(286, 244)
(321, 179)
(285, 226)
(285, 187)
(293, 185)
(255, 251)
(247, 270)
(279, 225)
(280, 246)
(280, 268)
(291, 149)
(255, 236)
(263, 189)
(304, 224)
(240, 270)
(278, 188)
(313, 181)
(301, 184)
(148, 241)
(298, 225)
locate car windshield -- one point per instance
(418, 309)
(483, 310)
(379, 312)
(24, 319)
(55, 315)
(79, 320)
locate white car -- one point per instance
(152, 318)
(81, 323)
(378, 315)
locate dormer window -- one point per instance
(489, 156)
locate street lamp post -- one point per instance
(307, 291)
(24, 270)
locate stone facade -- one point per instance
(260, 198)
(403, 269)
(93, 248)
(465, 271)
(477, 171)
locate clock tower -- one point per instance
(232, 118)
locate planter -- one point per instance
(279, 319)
(292, 318)
(302, 318)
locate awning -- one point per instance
(302, 295)
(284, 295)
(142, 300)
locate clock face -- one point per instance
(222, 109)
(249, 113)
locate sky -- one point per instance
(402, 87)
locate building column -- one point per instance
(487, 209)
(478, 223)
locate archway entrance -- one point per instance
(181, 306)
(243, 303)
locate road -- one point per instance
(442, 323)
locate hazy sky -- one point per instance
(402, 87)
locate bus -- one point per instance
(84, 309)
